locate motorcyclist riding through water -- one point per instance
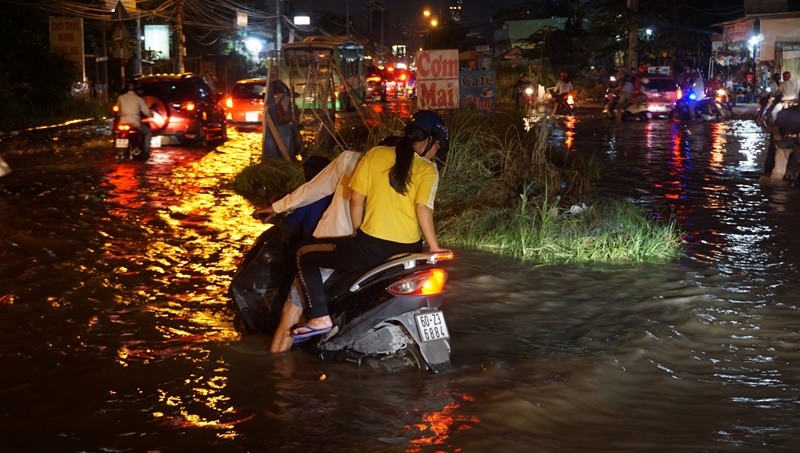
(561, 90)
(132, 110)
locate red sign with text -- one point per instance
(437, 79)
(66, 38)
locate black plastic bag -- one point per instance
(264, 277)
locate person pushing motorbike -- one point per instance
(132, 109)
(391, 207)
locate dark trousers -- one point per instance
(769, 163)
(345, 254)
(146, 135)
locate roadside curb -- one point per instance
(48, 127)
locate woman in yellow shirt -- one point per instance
(391, 206)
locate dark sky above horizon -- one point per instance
(477, 11)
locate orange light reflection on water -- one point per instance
(436, 427)
(196, 232)
(719, 142)
(570, 124)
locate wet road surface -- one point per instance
(117, 335)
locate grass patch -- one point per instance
(609, 231)
(267, 181)
(505, 190)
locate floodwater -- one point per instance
(117, 334)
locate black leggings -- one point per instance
(346, 254)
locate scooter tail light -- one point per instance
(426, 283)
(123, 127)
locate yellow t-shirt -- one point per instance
(387, 214)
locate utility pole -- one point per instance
(181, 38)
(137, 65)
(633, 36)
(278, 20)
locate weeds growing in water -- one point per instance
(504, 189)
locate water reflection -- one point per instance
(562, 132)
(115, 279)
(194, 235)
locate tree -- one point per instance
(33, 80)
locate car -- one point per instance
(382, 84)
(245, 103)
(185, 109)
(662, 92)
(244, 106)
(374, 83)
(405, 81)
(390, 83)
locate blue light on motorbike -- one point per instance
(692, 96)
(426, 283)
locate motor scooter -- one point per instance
(389, 317)
(706, 109)
(636, 110)
(565, 103)
(129, 141)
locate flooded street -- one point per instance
(117, 334)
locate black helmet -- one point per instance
(433, 123)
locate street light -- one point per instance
(754, 42)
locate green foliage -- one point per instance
(268, 180)
(35, 83)
(505, 190)
(610, 231)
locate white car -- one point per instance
(662, 92)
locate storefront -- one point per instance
(751, 49)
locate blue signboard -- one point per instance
(478, 90)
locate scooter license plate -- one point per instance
(155, 142)
(431, 326)
(121, 143)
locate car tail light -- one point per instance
(189, 106)
(426, 283)
(374, 79)
(229, 102)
